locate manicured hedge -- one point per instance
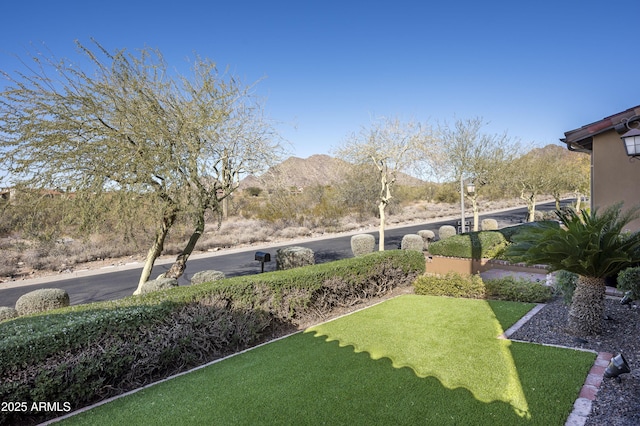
(470, 286)
(82, 354)
(476, 245)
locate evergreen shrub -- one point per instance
(629, 280)
(475, 245)
(517, 290)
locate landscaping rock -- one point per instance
(488, 225)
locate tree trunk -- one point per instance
(578, 201)
(154, 252)
(587, 306)
(178, 267)
(381, 209)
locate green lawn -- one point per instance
(410, 360)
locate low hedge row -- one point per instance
(86, 353)
(454, 284)
(475, 245)
(480, 244)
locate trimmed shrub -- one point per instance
(629, 280)
(565, 283)
(427, 237)
(510, 231)
(207, 277)
(517, 290)
(87, 353)
(7, 313)
(42, 300)
(412, 242)
(475, 245)
(452, 284)
(362, 244)
(294, 257)
(158, 284)
(488, 225)
(446, 231)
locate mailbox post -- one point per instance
(262, 257)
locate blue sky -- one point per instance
(532, 69)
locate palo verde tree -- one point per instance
(131, 123)
(467, 153)
(390, 146)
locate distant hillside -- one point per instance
(318, 169)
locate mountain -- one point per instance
(319, 169)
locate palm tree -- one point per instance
(592, 245)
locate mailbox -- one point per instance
(262, 256)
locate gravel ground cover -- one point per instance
(618, 400)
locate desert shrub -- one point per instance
(42, 300)
(362, 244)
(207, 276)
(294, 257)
(489, 225)
(476, 245)
(629, 280)
(86, 353)
(446, 231)
(158, 284)
(452, 284)
(427, 237)
(565, 283)
(412, 242)
(7, 313)
(517, 290)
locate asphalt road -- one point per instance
(109, 285)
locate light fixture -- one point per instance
(631, 141)
(617, 366)
(471, 188)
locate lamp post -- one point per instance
(471, 189)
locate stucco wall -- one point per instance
(614, 177)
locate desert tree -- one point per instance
(389, 146)
(130, 122)
(465, 152)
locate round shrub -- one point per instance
(446, 231)
(427, 237)
(412, 242)
(452, 284)
(362, 244)
(294, 257)
(629, 280)
(42, 300)
(488, 225)
(158, 284)
(207, 276)
(7, 313)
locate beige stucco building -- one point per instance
(615, 176)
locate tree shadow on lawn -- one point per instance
(455, 341)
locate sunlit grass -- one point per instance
(305, 380)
